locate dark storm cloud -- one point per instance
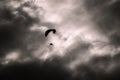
(8, 29)
(99, 68)
(86, 73)
(14, 29)
(106, 15)
(35, 71)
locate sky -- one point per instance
(85, 45)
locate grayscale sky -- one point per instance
(86, 44)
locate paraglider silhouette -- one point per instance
(48, 31)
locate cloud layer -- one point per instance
(86, 42)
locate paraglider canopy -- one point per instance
(48, 31)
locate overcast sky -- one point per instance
(85, 45)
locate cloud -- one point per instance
(34, 70)
(86, 43)
(14, 27)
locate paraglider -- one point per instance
(48, 31)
